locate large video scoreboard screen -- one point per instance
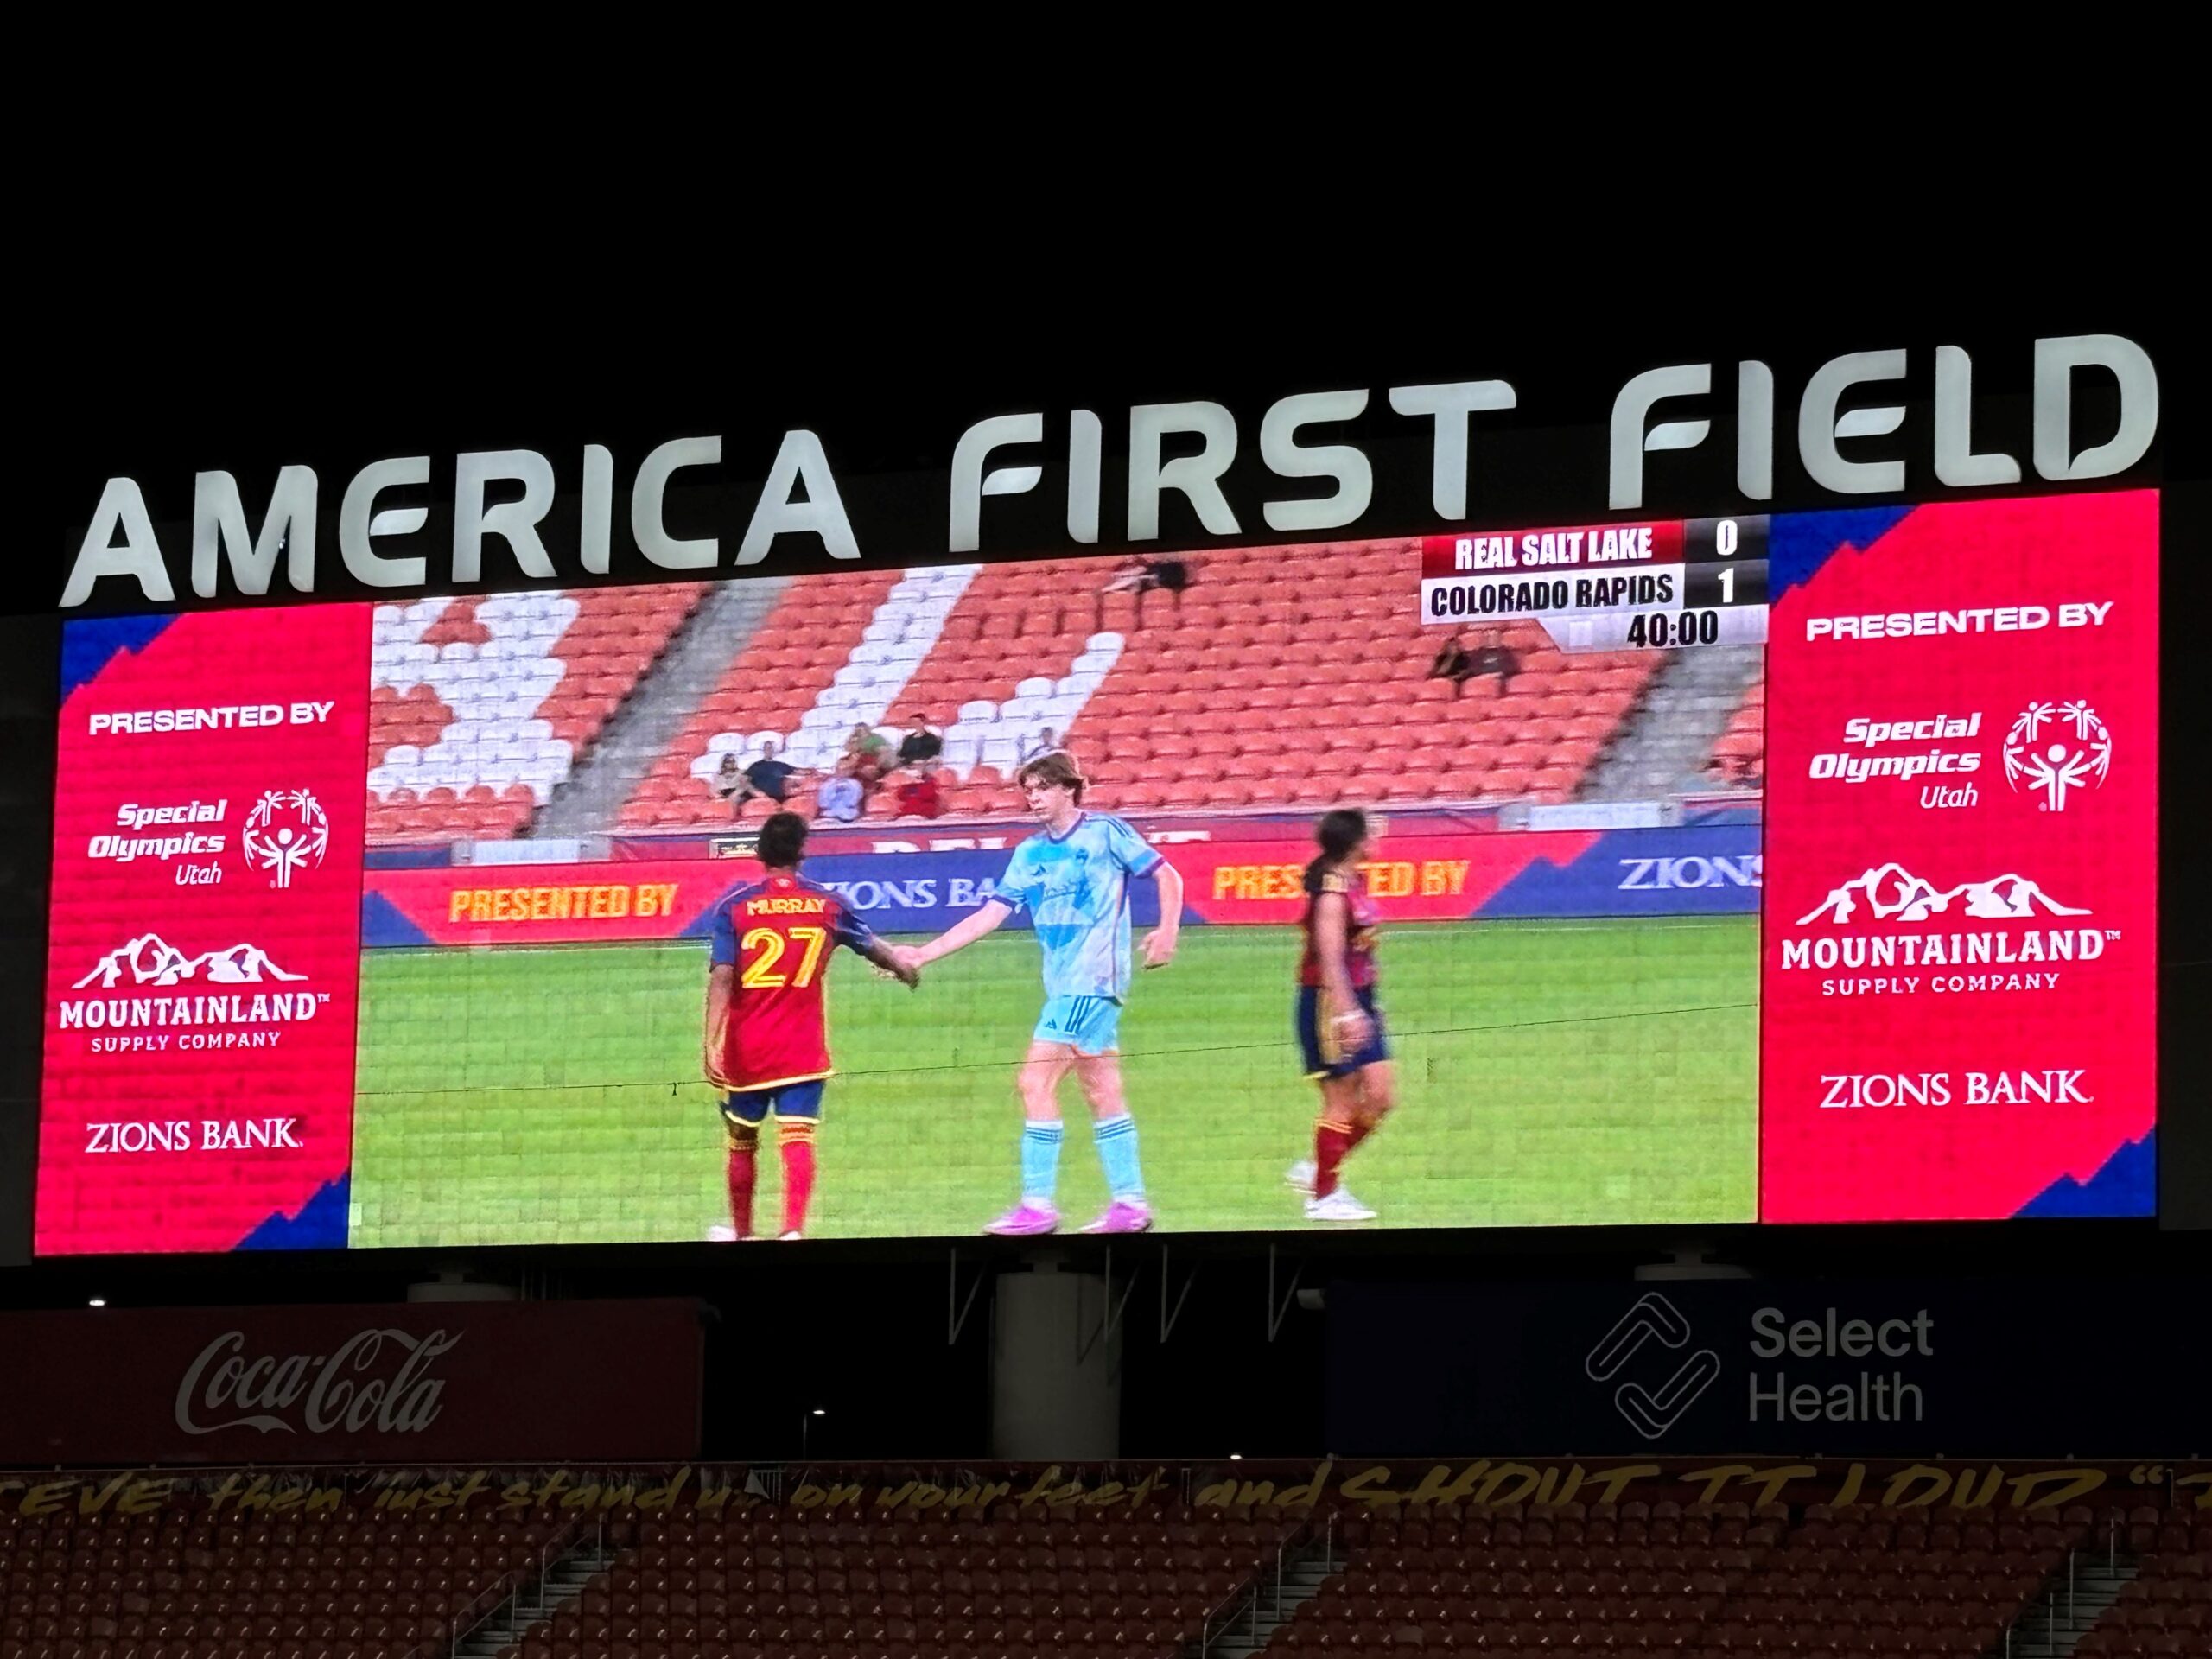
(1778, 868)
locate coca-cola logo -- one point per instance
(320, 1393)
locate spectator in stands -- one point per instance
(922, 744)
(867, 750)
(1043, 741)
(840, 796)
(766, 775)
(730, 784)
(1140, 576)
(1495, 657)
(1455, 662)
(919, 797)
(769, 775)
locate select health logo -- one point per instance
(1651, 1411)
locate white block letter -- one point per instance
(358, 522)
(1819, 428)
(1956, 464)
(1279, 449)
(218, 516)
(647, 494)
(595, 523)
(1198, 477)
(516, 521)
(969, 486)
(1449, 405)
(122, 506)
(1629, 441)
(2055, 361)
(799, 459)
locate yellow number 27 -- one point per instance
(762, 975)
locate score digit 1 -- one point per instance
(1724, 564)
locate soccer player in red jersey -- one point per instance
(1339, 1022)
(767, 1047)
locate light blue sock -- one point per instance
(1040, 1162)
(1117, 1152)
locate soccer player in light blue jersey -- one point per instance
(1073, 881)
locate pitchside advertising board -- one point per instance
(1786, 867)
(1717, 1367)
(614, 1380)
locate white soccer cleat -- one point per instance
(1300, 1177)
(721, 1233)
(1339, 1205)
(787, 1237)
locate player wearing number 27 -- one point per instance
(767, 1039)
(1073, 880)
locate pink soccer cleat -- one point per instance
(1124, 1216)
(1027, 1220)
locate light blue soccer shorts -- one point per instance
(1091, 1024)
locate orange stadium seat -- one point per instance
(1292, 692)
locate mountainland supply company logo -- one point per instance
(1652, 1412)
(2057, 750)
(286, 833)
(1892, 894)
(141, 974)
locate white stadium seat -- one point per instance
(494, 688)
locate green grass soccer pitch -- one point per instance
(1552, 1073)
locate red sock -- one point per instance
(795, 1140)
(744, 1168)
(1359, 1132)
(1332, 1141)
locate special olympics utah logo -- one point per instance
(1652, 1412)
(286, 833)
(2058, 749)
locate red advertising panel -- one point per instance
(204, 952)
(429, 1382)
(1960, 936)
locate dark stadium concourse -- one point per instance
(457, 1198)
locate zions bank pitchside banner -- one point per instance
(1788, 868)
(355, 1384)
(1833, 1369)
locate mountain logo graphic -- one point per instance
(1890, 892)
(151, 960)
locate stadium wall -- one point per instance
(1697, 870)
(1857, 1368)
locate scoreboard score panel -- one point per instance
(1900, 966)
(1666, 584)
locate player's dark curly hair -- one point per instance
(782, 841)
(1339, 830)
